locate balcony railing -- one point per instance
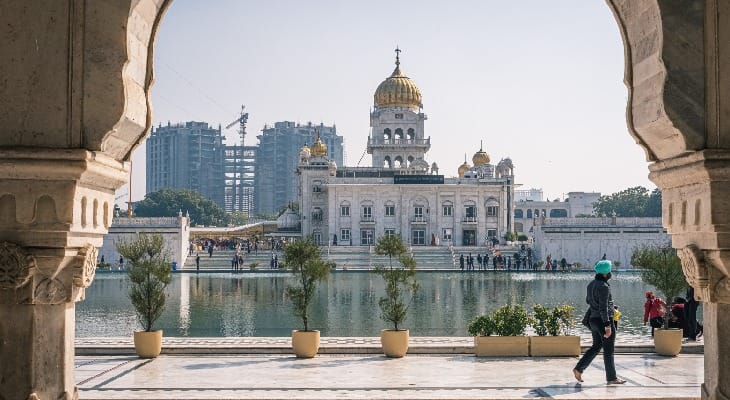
(419, 219)
(380, 141)
(367, 219)
(469, 220)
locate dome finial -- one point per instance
(481, 145)
(397, 56)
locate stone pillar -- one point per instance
(696, 212)
(55, 207)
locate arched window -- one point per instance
(387, 163)
(529, 213)
(398, 135)
(411, 135)
(387, 135)
(345, 209)
(410, 160)
(558, 213)
(518, 213)
(398, 162)
(317, 214)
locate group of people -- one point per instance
(602, 319)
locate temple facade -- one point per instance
(402, 193)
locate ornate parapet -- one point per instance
(55, 207)
(696, 212)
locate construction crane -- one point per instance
(241, 120)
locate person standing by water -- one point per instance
(603, 328)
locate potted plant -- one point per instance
(400, 288)
(149, 274)
(303, 257)
(661, 267)
(509, 324)
(553, 332)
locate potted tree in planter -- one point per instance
(400, 287)
(509, 324)
(662, 268)
(304, 258)
(149, 274)
(556, 324)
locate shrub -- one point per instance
(554, 322)
(522, 237)
(482, 325)
(304, 258)
(149, 274)
(510, 321)
(401, 283)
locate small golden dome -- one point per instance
(397, 90)
(305, 150)
(319, 149)
(463, 168)
(480, 157)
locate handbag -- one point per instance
(586, 321)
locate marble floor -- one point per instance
(373, 376)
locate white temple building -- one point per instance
(402, 193)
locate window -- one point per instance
(398, 116)
(518, 213)
(345, 211)
(470, 212)
(345, 234)
(558, 213)
(317, 237)
(317, 214)
(491, 211)
(367, 212)
(366, 237)
(419, 237)
(316, 189)
(448, 210)
(446, 234)
(390, 232)
(418, 212)
(389, 210)
(491, 233)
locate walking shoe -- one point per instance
(616, 381)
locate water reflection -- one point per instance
(347, 305)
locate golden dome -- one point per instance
(319, 149)
(397, 90)
(464, 167)
(480, 157)
(304, 152)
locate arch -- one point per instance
(398, 135)
(410, 161)
(558, 213)
(398, 162)
(387, 163)
(387, 135)
(410, 135)
(519, 213)
(529, 213)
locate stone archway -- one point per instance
(65, 140)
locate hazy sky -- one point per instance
(538, 81)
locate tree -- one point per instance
(632, 202)
(149, 274)
(661, 268)
(168, 202)
(400, 283)
(304, 258)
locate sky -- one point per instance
(538, 81)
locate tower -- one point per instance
(397, 138)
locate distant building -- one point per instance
(186, 156)
(528, 212)
(239, 164)
(277, 159)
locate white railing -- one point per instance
(604, 221)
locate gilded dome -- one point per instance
(397, 90)
(318, 149)
(463, 168)
(480, 158)
(304, 152)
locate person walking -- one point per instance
(461, 262)
(603, 328)
(197, 262)
(654, 311)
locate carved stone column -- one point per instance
(55, 207)
(696, 212)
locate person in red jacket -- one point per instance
(654, 310)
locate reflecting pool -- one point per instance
(254, 304)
